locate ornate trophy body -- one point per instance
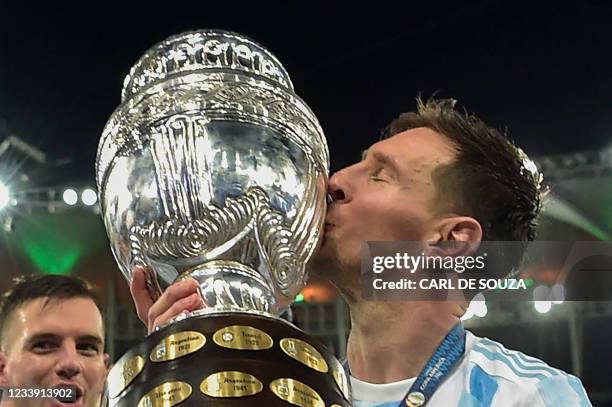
(213, 168)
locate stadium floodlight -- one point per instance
(5, 195)
(557, 294)
(542, 306)
(89, 196)
(469, 313)
(70, 197)
(479, 305)
(480, 309)
(541, 293)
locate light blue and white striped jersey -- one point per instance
(488, 375)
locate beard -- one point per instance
(331, 263)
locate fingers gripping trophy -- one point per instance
(213, 168)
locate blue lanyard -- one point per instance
(437, 369)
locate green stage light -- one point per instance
(55, 243)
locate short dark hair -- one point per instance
(491, 180)
(51, 287)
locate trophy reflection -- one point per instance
(213, 168)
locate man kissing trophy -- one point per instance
(212, 168)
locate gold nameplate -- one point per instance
(166, 395)
(296, 393)
(176, 345)
(342, 382)
(230, 384)
(123, 373)
(243, 338)
(304, 353)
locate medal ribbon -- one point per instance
(444, 360)
(437, 369)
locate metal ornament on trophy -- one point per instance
(213, 168)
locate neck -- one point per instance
(393, 341)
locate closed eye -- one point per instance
(376, 175)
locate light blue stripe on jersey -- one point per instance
(578, 388)
(482, 386)
(520, 359)
(467, 400)
(495, 356)
(562, 391)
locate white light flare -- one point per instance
(5, 196)
(70, 197)
(89, 197)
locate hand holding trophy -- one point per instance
(212, 168)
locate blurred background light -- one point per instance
(477, 307)
(542, 306)
(70, 197)
(541, 293)
(4, 195)
(557, 294)
(89, 197)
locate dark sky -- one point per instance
(544, 70)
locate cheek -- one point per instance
(28, 370)
(96, 374)
(404, 223)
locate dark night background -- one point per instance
(541, 70)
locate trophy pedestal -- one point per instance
(228, 359)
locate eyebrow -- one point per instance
(384, 159)
(90, 338)
(51, 336)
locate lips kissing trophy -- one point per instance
(213, 168)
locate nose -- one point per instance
(338, 188)
(69, 363)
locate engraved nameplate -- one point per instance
(243, 338)
(166, 395)
(176, 345)
(296, 393)
(304, 353)
(231, 384)
(342, 382)
(122, 374)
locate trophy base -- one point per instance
(228, 359)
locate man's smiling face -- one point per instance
(55, 343)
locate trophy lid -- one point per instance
(207, 50)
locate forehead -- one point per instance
(417, 149)
(62, 317)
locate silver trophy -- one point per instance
(213, 168)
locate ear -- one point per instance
(4, 381)
(107, 362)
(458, 236)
